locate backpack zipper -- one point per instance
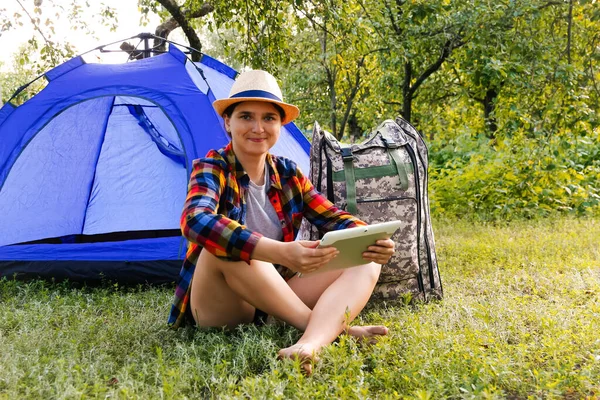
(419, 206)
(413, 159)
(373, 200)
(419, 137)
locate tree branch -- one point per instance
(182, 20)
(393, 21)
(550, 4)
(378, 31)
(313, 22)
(350, 99)
(37, 28)
(446, 50)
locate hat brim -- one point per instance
(290, 110)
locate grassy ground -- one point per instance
(520, 319)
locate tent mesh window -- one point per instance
(120, 167)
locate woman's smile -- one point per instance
(254, 128)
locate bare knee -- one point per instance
(213, 301)
(368, 273)
(216, 264)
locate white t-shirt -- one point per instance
(260, 214)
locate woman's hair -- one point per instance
(229, 111)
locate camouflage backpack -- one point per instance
(382, 179)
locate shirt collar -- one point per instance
(242, 176)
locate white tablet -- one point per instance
(352, 242)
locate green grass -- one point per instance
(520, 319)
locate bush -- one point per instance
(515, 177)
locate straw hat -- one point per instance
(257, 85)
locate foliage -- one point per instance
(543, 156)
(513, 85)
(45, 51)
(516, 178)
(329, 78)
(21, 74)
(519, 320)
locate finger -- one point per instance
(319, 264)
(376, 257)
(325, 253)
(384, 251)
(311, 244)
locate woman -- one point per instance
(242, 213)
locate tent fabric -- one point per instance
(106, 150)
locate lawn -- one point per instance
(520, 319)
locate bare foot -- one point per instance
(368, 333)
(305, 352)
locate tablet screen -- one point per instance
(352, 242)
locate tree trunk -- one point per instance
(332, 101)
(350, 99)
(489, 105)
(569, 31)
(354, 131)
(331, 76)
(183, 20)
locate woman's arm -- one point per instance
(321, 212)
(202, 224)
(299, 256)
(327, 217)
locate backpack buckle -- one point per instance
(346, 152)
(389, 143)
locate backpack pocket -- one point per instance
(404, 263)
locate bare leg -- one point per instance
(226, 293)
(334, 308)
(212, 301)
(310, 289)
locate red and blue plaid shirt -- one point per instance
(214, 214)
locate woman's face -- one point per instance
(254, 127)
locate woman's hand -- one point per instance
(380, 252)
(303, 256)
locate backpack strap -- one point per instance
(328, 175)
(392, 148)
(350, 180)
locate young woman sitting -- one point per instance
(241, 217)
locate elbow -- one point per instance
(184, 225)
(191, 224)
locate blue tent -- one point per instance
(94, 168)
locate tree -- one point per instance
(262, 27)
(45, 50)
(420, 37)
(19, 75)
(337, 62)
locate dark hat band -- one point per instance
(257, 93)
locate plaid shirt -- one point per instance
(214, 214)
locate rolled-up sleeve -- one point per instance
(203, 224)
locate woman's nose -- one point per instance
(258, 126)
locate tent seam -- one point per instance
(87, 205)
